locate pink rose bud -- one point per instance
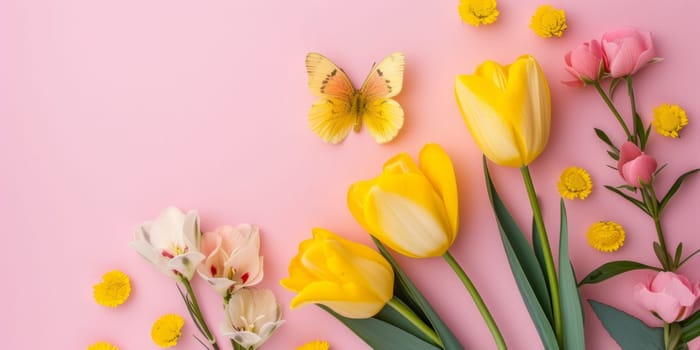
(626, 51)
(585, 63)
(669, 296)
(635, 167)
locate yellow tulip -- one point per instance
(507, 110)
(411, 209)
(352, 279)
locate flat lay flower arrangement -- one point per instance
(411, 209)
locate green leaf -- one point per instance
(661, 168)
(679, 253)
(639, 130)
(691, 327)
(660, 254)
(674, 188)
(612, 269)
(613, 85)
(393, 317)
(634, 201)
(604, 137)
(627, 187)
(568, 292)
(381, 335)
(629, 332)
(688, 258)
(524, 266)
(539, 253)
(613, 155)
(408, 292)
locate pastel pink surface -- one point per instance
(113, 110)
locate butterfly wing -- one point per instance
(383, 118)
(331, 116)
(382, 115)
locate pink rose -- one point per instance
(626, 51)
(232, 258)
(669, 296)
(585, 63)
(635, 167)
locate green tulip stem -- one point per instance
(196, 313)
(411, 316)
(495, 332)
(614, 110)
(547, 252)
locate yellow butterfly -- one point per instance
(341, 108)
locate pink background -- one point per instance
(113, 110)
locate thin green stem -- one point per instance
(614, 110)
(410, 316)
(656, 215)
(548, 260)
(197, 312)
(639, 139)
(666, 335)
(495, 332)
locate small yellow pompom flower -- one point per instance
(315, 345)
(575, 182)
(548, 21)
(477, 12)
(102, 345)
(606, 236)
(167, 330)
(113, 290)
(669, 119)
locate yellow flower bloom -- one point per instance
(102, 345)
(348, 277)
(575, 182)
(315, 345)
(113, 290)
(548, 21)
(507, 110)
(476, 12)
(606, 236)
(167, 330)
(411, 209)
(669, 119)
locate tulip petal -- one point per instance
(402, 163)
(437, 166)
(528, 95)
(347, 299)
(299, 277)
(356, 199)
(482, 107)
(405, 213)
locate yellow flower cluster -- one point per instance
(113, 290)
(477, 12)
(102, 345)
(606, 236)
(167, 330)
(575, 182)
(315, 345)
(548, 21)
(669, 119)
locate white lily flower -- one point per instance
(171, 243)
(233, 258)
(252, 315)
